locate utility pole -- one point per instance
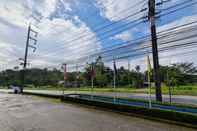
(77, 76)
(169, 86)
(151, 16)
(65, 76)
(92, 79)
(114, 73)
(23, 72)
(149, 80)
(129, 73)
(114, 80)
(92, 75)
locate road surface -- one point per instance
(190, 100)
(28, 113)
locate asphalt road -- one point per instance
(30, 113)
(190, 100)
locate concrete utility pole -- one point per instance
(115, 71)
(92, 75)
(149, 80)
(129, 73)
(65, 76)
(169, 86)
(26, 53)
(151, 16)
(77, 76)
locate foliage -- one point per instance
(174, 75)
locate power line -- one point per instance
(176, 10)
(161, 32)
(147, 47)
(105, 34)
(102, 26)
(182, 46)
(164, 43)
(122, 20)
(101, 39)
(141, 39)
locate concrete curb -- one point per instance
(43, 95)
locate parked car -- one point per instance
(16, 89)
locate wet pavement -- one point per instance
(27, 113)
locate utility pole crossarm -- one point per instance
(33, 47)
(23, 71)
(35, 41)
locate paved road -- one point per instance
(27, 113)
(191, 100)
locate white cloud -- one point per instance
(116, 10)
(7, 49)
(13, 12)
(189, 32)
(175, 55)
(53, 33)
(59, 42)
(125, 36)
(21, 12)
(44, 7)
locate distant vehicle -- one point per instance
(16, 89)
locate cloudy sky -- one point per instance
(73, 29)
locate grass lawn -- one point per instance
(181, 90)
